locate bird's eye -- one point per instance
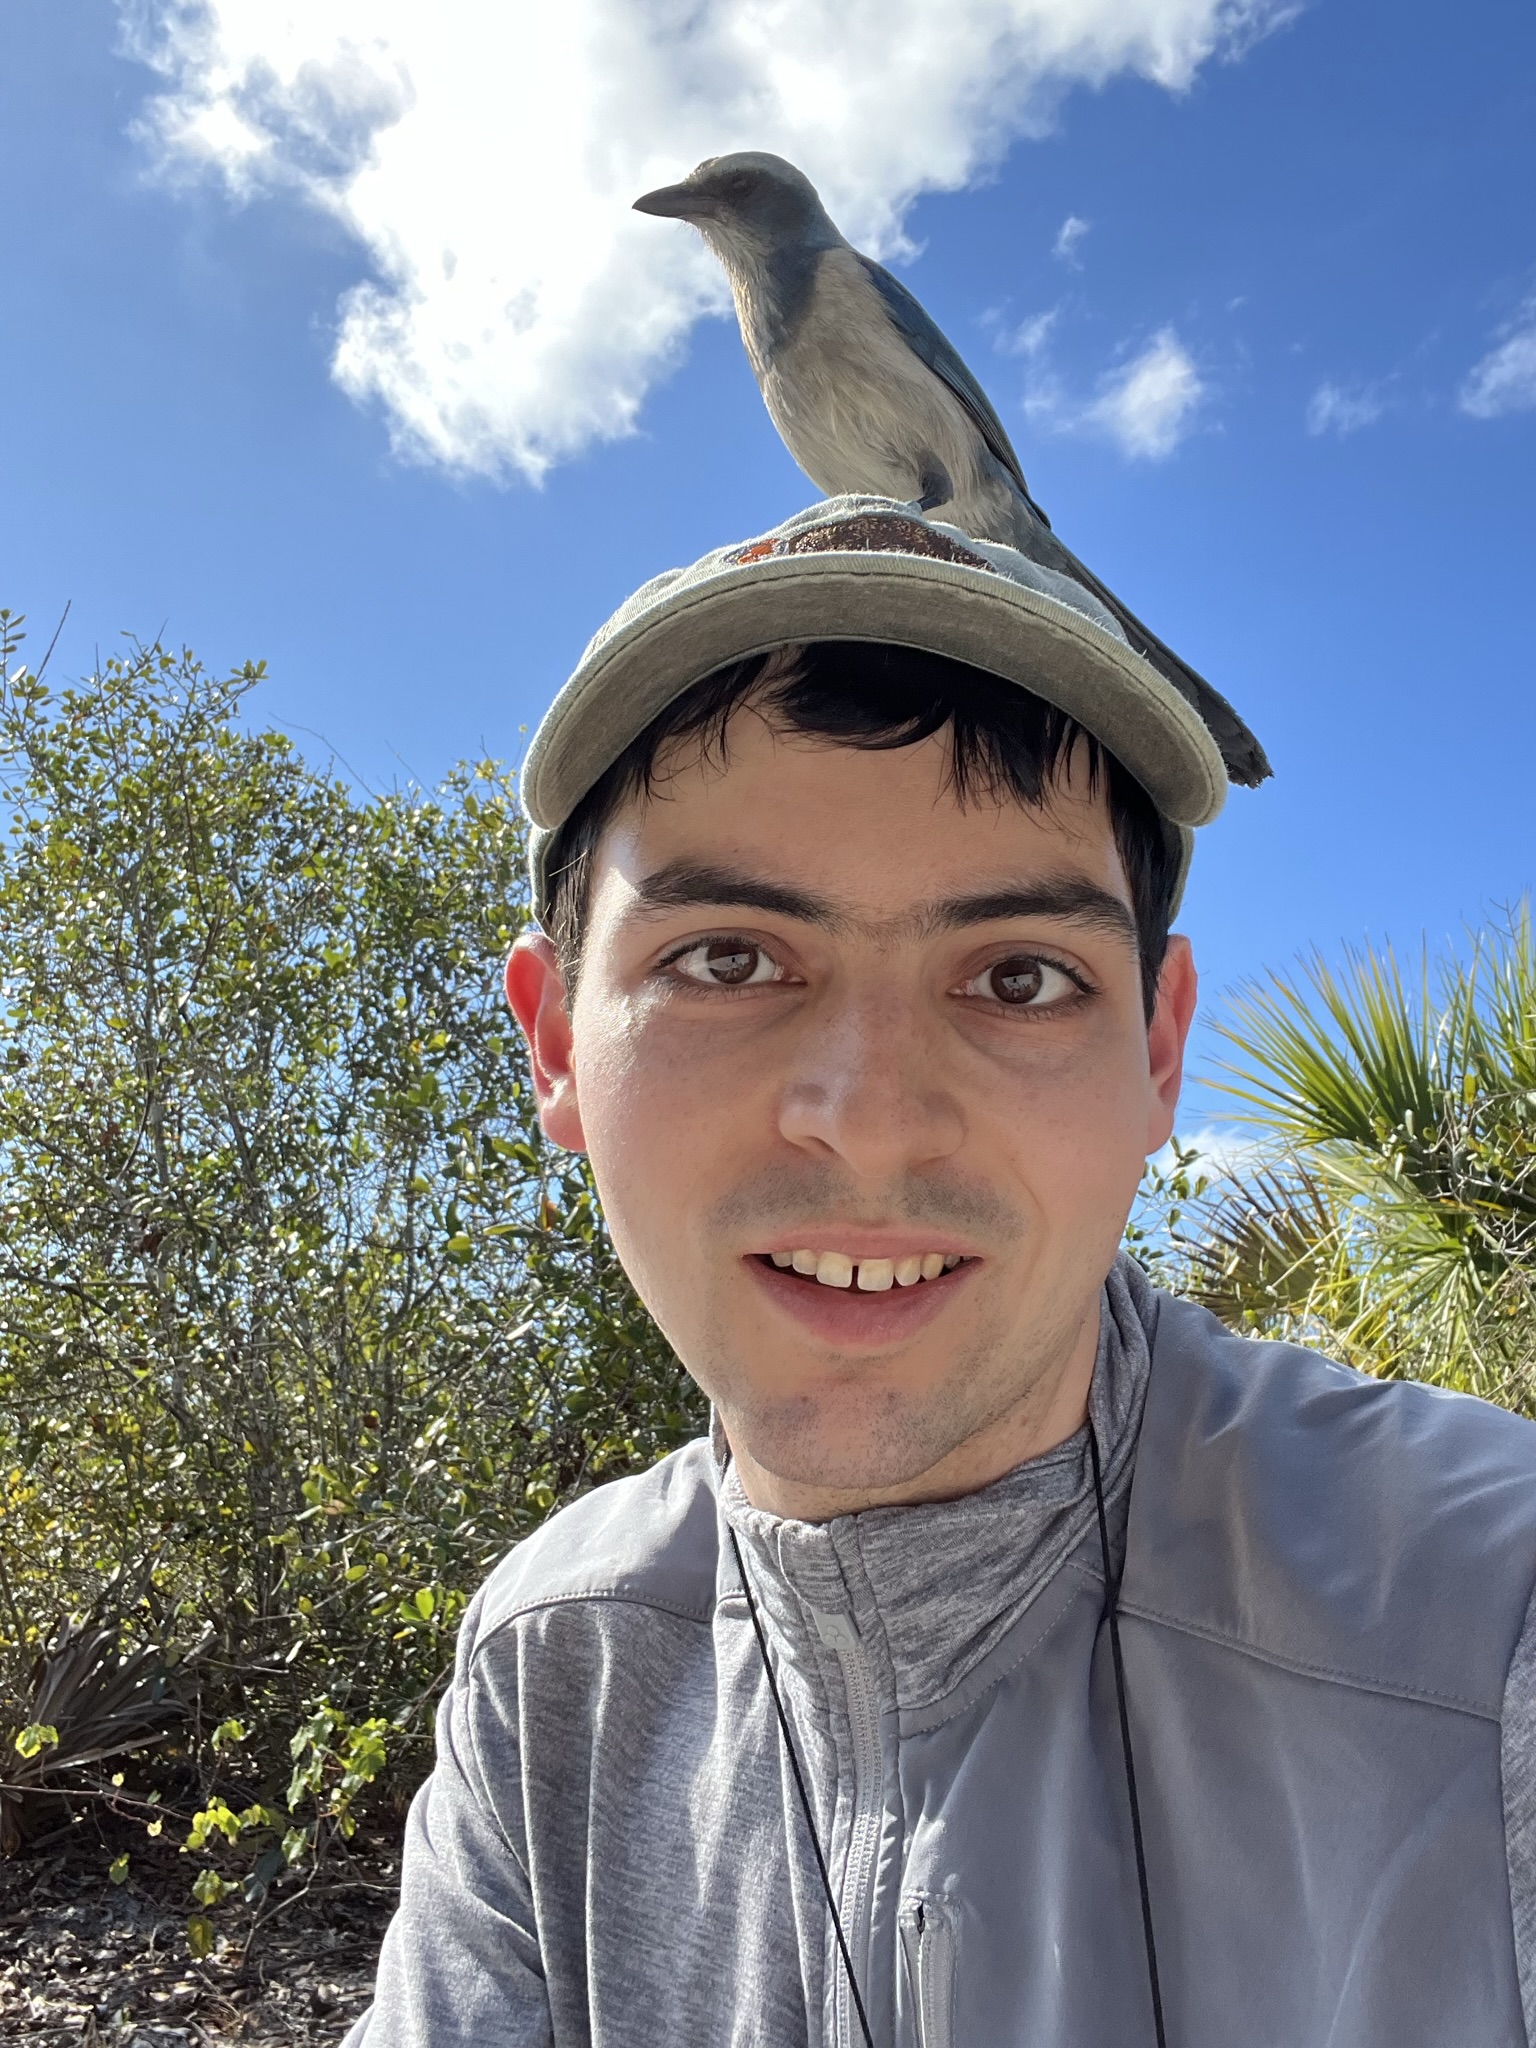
(726, 963)
(1023, 981)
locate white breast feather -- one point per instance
(856, 408)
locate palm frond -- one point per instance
(1395, 1224)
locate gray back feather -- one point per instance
(933, 347)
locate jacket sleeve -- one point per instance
(1518, 1746)
(460, 1965)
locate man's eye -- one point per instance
(727, 963)
(1024, 982)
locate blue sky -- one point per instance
(1278, 388)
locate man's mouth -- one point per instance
(869, 1276)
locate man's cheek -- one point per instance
(655, 1168)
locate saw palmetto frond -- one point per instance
(1394, 1222)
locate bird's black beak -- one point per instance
(674, 202)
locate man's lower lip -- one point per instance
(849, 1315)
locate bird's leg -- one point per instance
(934, 487)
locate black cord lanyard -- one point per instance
(1112, 1616)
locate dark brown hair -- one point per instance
(1003, 741)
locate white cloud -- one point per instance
(1335, 409)
(1030, 337)
(1505, 380)
(483, 156)
(1148, 406)
(1068, 235)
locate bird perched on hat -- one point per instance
(871, 397)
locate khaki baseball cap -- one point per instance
(859, 568)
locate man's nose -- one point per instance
(867, 1086)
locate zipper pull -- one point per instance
(836, 1630)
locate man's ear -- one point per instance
(536, 994)
(1178, 986)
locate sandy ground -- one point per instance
(85, 1961)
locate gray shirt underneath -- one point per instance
(461, 1963)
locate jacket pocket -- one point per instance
(928, 1949)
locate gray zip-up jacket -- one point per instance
(1332, 1693)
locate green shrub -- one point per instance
(301, 1322)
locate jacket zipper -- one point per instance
(928, 1945)
(854, 1893)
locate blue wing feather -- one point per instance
(931, 346)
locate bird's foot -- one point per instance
(933, 485)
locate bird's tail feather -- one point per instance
(1245, 759)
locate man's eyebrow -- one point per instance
(686, 885)
(1069, 901)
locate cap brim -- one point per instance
(970, 614)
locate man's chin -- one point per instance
(857, 1445)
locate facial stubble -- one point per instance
(859, 1422)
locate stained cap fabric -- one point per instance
(861, 568)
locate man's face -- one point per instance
(830, 1018)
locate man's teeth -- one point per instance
(873, 1276)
